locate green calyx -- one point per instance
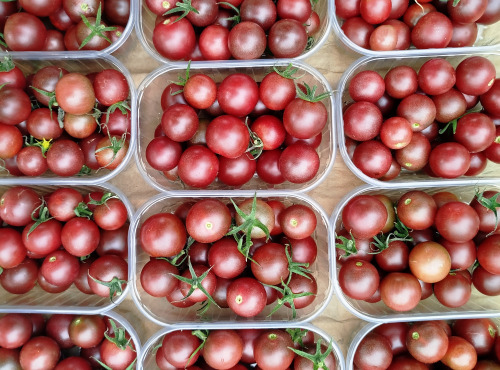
(97, 29)
(318, 358)
(310, 94)
(244, 240)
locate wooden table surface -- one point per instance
(331, 60)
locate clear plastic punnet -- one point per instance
(150, 113)
(488, 40)
(147, 359)
(160, 311)
(134, 8)
(146, 21)
(367, 329)
(479, 305)
(85, 63)
(382, 65)
(71, 300)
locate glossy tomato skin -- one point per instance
(373, 158)
(271, 265)
(364, 216)
(457, 222)
(400, 291)
(20, 279)
(416, 209)
(488, 254)
(358, 279)
(65, 158)
(373, 351)
(80, 236)
(429, 262)
(115, 357)
(156, 278)
(475, 131)
(174, 39)
(60, 268)
(287, 38)
(228, 136)
(481, 333)
(453, 291)
(179, 122)
(362, 121)
(237, 171)
(475, 75)
(12, 249)
(208, 220)
(39, 350)
(57, 328)
(87, 331)
(226, 260)
(486, 216)
(178, 346)
(460, 354)
(24, 32)
(163, 235)
(276, 91)
(15, 330)
(18, 204)
(303, 119)
(427, 342)
(105, 269)
(246, 297)
(198, 166)
(247, 40)
(271, 350)
(15, 107)
(223, 349)
(111, 215)
(238, 94)
(449, 160)
(486, 283)
(463, 255)
(396, 334)
(433, 30)
(299, 163)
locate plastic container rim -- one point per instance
(83, 53)
(351, 351)
(335, 25)
(233, 326)
(239, 64)
(153, 53)
(79, 309)
(73, 180)
(199, 195)
(395, 317)
(395, 183)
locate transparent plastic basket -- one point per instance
(145, 24)
(118, 319)
(134, 8)
(488, 40)
(479, 305)
(161, 312)
(71, 300)
(365, 330)
(147, 360)
(87, 63)
(382, 65)
(150, 112)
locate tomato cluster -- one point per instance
(428, 121)
(462, 344)
(88, 131)
(64, 342)
(237, 128)
(91, 228)
(59, 25)
(424, 245)
(384, 25)
(243, 257)
(239, 29)
(276, 349)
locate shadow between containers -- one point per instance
(326, 151)
(379, 312)
(90, 304)
(146, 361)
(383, 64)
(230, 318)
(82, 64)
